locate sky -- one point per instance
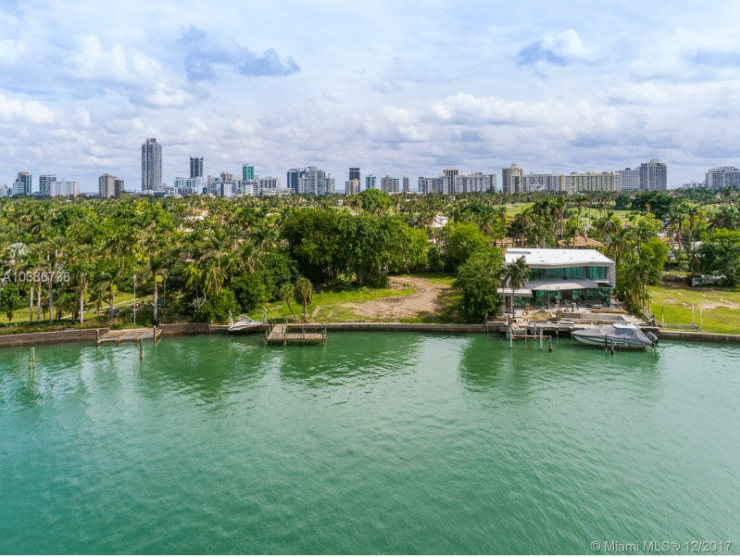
(399, 88)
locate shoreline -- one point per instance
(190, 329)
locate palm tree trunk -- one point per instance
(156, 296)
(82, 305)
(38, 303)
(51, 301)
(110, 305)
(30, 304)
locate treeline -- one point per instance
(202, 257)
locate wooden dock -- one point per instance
(279, 334)
(130, 335)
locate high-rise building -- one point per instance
(435, 185)
(476, 182)
(354, 174)
(630, 179)
(107, 186)
(64, 188)
(311, 181)
(5, 191)
(351, 187)
(653, 176)
(450, 174)
(390, 185)
(406, 184)
(118, 187)
(371, 182)
(248, 172)
(576, 182)
(151, 165)
(45, 184)
(196, 167)
(23, 184)
(723, 177)
(511, 179)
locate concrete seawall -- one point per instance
(52, 337)
(185, 329)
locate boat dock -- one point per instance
(129, 335)
(279, 334)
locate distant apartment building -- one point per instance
(118, 187)
(354, 174)
(196, 167)
(390, 185)
(107, 186)
(472, 183)
(543, 182)
(151, 166)
(64, 188)
(576, 182)
(351, 187)
(182, 187)
(450, 174)
(45, 183)
(723, 177)
(512, 179)
(630, 179)
(248, 172)
(406, 184)
(23, 184)
(653, 176)
(310, 181)
(371, 182)
(5, 191)
(439, 185)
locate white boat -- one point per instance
(618, 335)
(243, 324)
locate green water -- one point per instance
(379, 443)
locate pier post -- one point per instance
(141, 350)
(606, 344)
(541, 337)
(511, 338)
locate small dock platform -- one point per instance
(280, 334)
(130, 335)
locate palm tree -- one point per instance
(516, 274)
(304, 295)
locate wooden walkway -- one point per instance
(130, 335)
(280, 335)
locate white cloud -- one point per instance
(11, 51)
(19, 111)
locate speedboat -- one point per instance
(243, 324)
(618, 335)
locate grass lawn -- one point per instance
(330, 305)
(720, 307)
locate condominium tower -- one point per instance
(196, 167)
(151, 165)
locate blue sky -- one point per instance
(397, 88)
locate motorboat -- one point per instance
(618, 335)
(244, 323)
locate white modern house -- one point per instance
(569, 275)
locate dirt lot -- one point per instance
(424, 301)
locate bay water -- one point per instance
(376, 443)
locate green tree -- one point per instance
(479, 278)
(9, 299)
(304, 295)
(218, 307)
(465, 239)
(720, 255)
(375, 202)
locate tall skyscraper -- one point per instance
(107, 186)
(389, 185)
(354, 174)
(118, 187)
(370, 182)
(653, 176)
(248, 172)
(406, 184)
(352, 187)
(23, 184)
(151, 165)
(450, 174)
(45, 184)
(196, 167)
(723, 177)
(630, 179)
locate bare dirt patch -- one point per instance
(426, 299)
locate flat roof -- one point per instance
(557, 257)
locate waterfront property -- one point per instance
(563, 275)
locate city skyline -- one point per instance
(452, 84)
